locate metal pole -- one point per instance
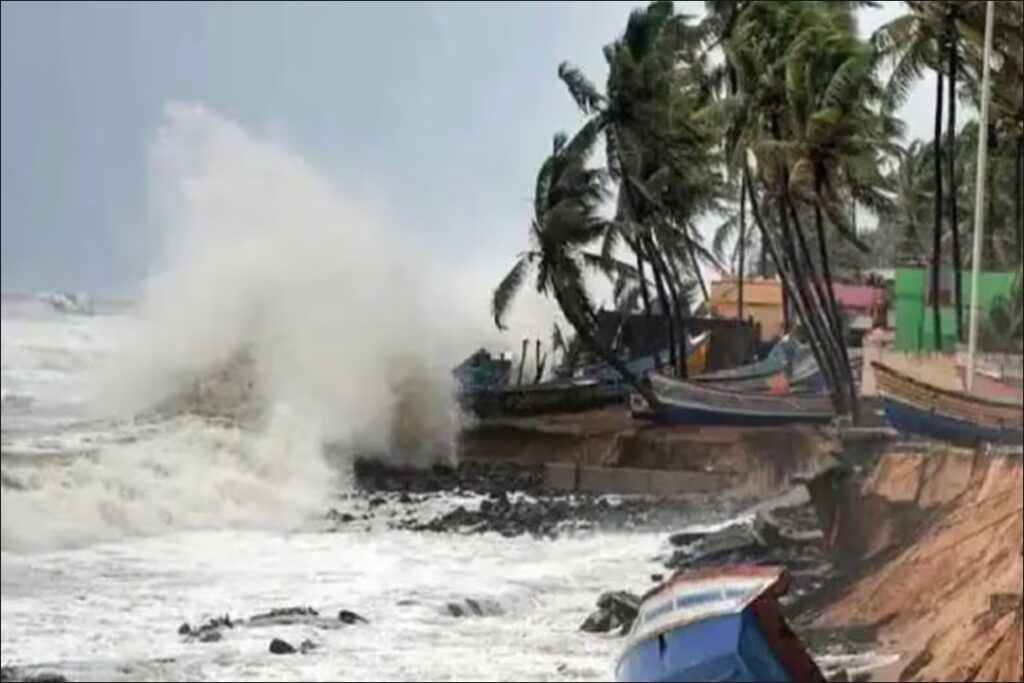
(979, 195)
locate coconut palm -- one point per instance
(772, 42)
(567, 199)
(907, 224)
(657, 152)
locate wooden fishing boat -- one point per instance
(783, 357)
(802, 376)
(917, 407)
(688, 403)
(556, 396)
(716, 625)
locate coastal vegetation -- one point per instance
(776, 121)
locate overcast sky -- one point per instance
(436, 114)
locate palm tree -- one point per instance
(1007, 103)
(940, 35)
(567, 201)
(657, 152)
(914, 43)
(771, 41)
(907, 223)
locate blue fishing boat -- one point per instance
(917, 407)
(716, 625)
(691, 403)
(696, 358)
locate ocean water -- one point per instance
(118, 529)
(164, 462)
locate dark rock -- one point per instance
(377, 502)
(599, 622)
(284, 616)
(405, 498)
(473, 608)
(657, 578)
(615, 610)
(280, 647)
(208, 632)
(841, 676)
(44, 677)
(307, 646)
(347, 617)
(7, 673)
(340, 517)
(211, 636)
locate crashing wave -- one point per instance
(228, 392)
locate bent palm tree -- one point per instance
(567, 199)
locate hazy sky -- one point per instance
(436, 115)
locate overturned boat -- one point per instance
(716, 625)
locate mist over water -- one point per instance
(259, 254)
(278, 318)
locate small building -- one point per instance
(912, 301)
(863, 308)
(762, 301)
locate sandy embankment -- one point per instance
(940, 537)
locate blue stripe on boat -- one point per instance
(908, 418)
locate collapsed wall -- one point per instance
(938, 536)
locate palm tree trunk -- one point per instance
(819, 301)
(990, 233)
(659, 283)
(815, 298)
(587, 337)
(645, 294)
(763, 265)
(790, 287)
(692, 253)
(954, 222)
(837, 320)
(671, 281)
(743, 245)
(937, 232)
(1019, 201)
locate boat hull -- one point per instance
(542, 399)
(686, 403)
(908, 418)
(716, 624)
(917, 407)
(728, 648)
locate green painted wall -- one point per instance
(914, 328)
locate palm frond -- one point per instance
(507, 289)
(582, 90)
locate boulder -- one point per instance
(211, 636)
(615, 610)
(281, 647)
(347, 617)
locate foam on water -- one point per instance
(400, 581)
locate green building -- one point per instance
(912, 304)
